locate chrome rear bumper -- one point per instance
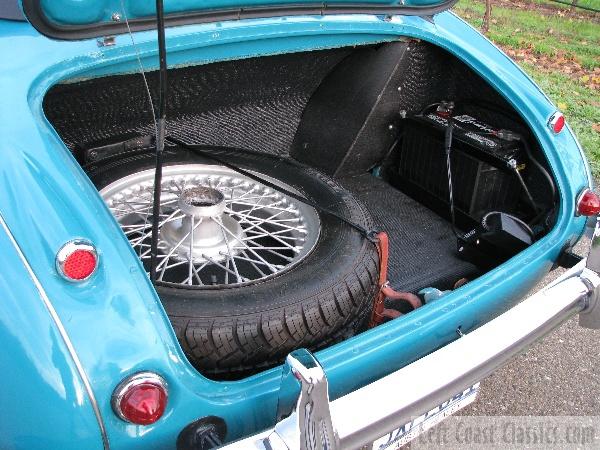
(310, 421)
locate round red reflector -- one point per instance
(556, 122)
(141, 399)
(77, 260)
(560, 123)
(588, 203)
(79, 265)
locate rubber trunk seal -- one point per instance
(41, 23)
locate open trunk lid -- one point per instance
(77, 19)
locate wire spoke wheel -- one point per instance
(216, 226)
(245, 273)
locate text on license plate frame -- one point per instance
(409, 431)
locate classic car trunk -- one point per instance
(351, 113)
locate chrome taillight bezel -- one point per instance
(67, 250)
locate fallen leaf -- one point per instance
(585, 78)
(562, 106)
(596, 127)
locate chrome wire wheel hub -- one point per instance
(216, 227)
(205, 233)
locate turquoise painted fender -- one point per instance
(44, 395)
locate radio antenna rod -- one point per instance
(160, 135)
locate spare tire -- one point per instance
(246, 283)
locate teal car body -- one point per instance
(66, 346)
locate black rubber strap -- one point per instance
(205, 151)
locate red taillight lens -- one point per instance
(141, 399)
(143, 404)
(556, 122)
(588, 203)
(77, 260)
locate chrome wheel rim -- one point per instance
(217, 227)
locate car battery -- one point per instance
(483, 177)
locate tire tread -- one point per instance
(240, 346)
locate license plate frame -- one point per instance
(409, 431)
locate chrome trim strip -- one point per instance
(63, 333)
(375, 410)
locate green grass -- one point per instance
(548, 37)
(544, 34)
(590, 3)
(595, 4)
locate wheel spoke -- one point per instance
(252, 261)
(175, 247)
(271, 267)
(140, 211)
(263, 235)
(218, 264)
(278, 239)
(191, 252)
(144, 226)
(300, 229)
(149, 233)
(167, 266)
(199, 269)
(261, 221)
(229, 254)
(257, 206)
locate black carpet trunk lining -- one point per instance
(258, 104)
(422, 244)
(253, 103)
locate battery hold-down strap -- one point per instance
(378, 238)
(380, 312)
